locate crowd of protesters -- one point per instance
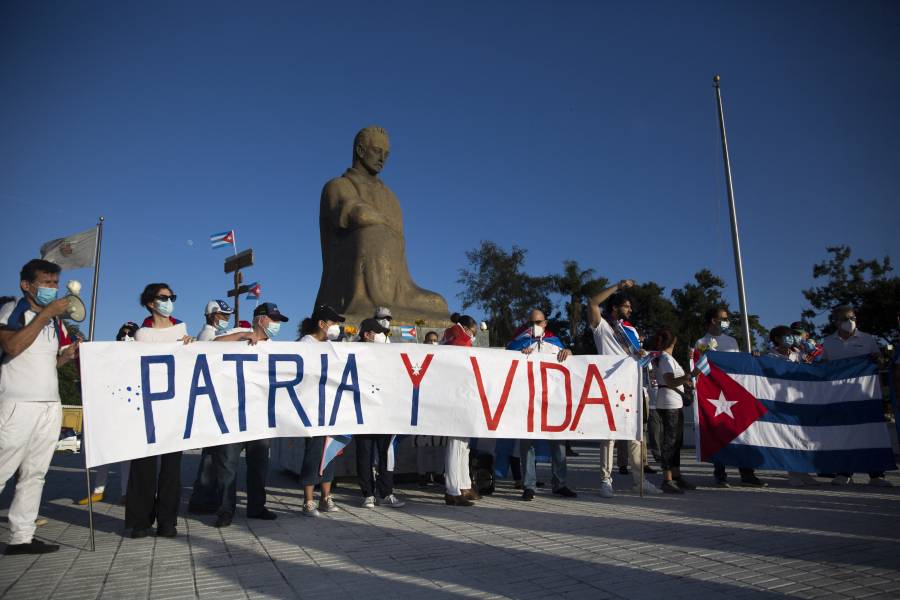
(35, 343)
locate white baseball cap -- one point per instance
(383, 312)
(218, 306)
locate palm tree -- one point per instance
(577, 285)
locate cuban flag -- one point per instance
(523, 339)
(218, 240)
(764, 412)
(334, 447)
(255, 291)
(407, 332)
(630, 333)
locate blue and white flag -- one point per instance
(769, 413)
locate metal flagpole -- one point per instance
(87, 472)
(735, 238)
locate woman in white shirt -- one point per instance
(151, 498)
(672, 382)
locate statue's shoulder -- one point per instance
(339, 187)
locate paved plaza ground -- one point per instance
(823, 542)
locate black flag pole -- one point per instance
(87, 471)
(735, 237)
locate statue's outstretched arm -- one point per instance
(344, 208)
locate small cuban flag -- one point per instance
(407, 332)
(334, 447)
(255, 291)
(218, 240)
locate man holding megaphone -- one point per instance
(34, 343)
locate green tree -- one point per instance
(69, 376)
(575, 285)
(864, 284)
(495, 282)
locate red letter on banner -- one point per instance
(530, 397)
(594, 374)
(416, 380)
(545, 366)
(493, 420)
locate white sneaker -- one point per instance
(842, 480)
(310, 510)
(391, 501)
(649, 489)
(368, 502)
(606, 489)
(880, 482)
(326, 504)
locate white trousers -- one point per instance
(28, 435)
(456, 463)
(634, 460)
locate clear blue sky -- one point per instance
(578, 130)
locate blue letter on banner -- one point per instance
(239, 360)
(151, 397)
(201, 367)
(274, 384)
(349, 370)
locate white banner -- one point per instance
(144, 399)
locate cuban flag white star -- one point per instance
(723, 406)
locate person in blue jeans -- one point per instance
(267, 320)
(534, 337)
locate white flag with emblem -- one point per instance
(72, 252)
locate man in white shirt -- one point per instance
(717, 340)
(203, 496)
(267, 320)
(535, 338)
(34, 343)
(610, 339)
(849, 342)
(218, 314)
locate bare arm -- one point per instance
(240, 336)
(594, 303)
(16, 342)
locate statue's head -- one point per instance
(371, 148)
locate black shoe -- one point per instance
(223, 520)
(32, 547)
(570, 452)
(722, 483)
(540, 484)
(423, 480)
(753, 481)
(828, 475)
(565, 492)
(671, 487)
(685, 484)
(141, 532)
(202, 509)
(167, 532)
(528, 495)
(623, 470)
(649, 469)
(265, 514)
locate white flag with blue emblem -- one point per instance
(72, 252)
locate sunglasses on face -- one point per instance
(162, 298)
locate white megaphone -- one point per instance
(76, 310)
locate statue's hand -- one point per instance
(364, 216)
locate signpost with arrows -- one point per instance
(234, 264)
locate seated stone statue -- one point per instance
(363, 247)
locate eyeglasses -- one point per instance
(162, 298)
(535, 322)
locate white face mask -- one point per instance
(848, 326)
(128, 338)
(433, 343)
(537, 331)
(723, 325)
(379, 338)
(334, 332)
(385, 323)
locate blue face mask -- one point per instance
(221, 326)
(788, 341)
(272, 329)
(165, 308)
(46, 295)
